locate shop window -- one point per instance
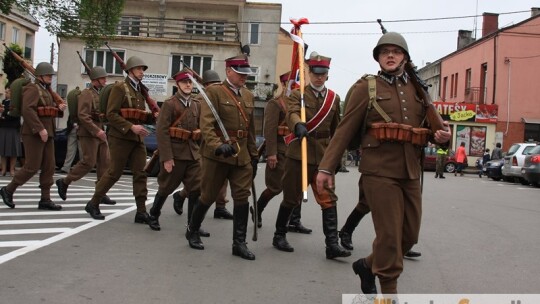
(474, 138)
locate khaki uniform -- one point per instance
(39, 155)
(94, 150)
(317, 142)
(274, 116)
(124, 145)
(185, 153)
(390, 180)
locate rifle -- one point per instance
(57, 99)
(434, 119)
(152, 104)
(152, 162)
(195, 75)
(86, 66)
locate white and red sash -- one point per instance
(319, 117)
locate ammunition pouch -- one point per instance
(47, 111)
(283, 130)
(395, 132)
(184, 134)
(135, 115)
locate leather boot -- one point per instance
(107, 200)
(62, 188)
(280, 235)
(193, 199)
(145, 218)
(178, 202)
(263, 200)
(294, 223)
(94, 211)
(222, 213)
(47, 204)
(7, 197)
(155, 211)
(192, 231)
(333, 250)
(347, 230)
(239, 247)
(367, 278)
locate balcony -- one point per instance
(475, 95)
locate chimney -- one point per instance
(464, 38)
(535, 11)
(490, 23)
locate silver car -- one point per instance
(514, 160)
(531, 167)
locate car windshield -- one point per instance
(534, 150)
(513, 149)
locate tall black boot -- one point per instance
(347, 230)
(192, 231)
(333, 250)
(239, 247)
(155, 211)
(193, 199)
(294, 223)
(263, 200)
(280, 236)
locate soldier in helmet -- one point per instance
(390, 180)
(92, 137)
(126, 116)
(38, 112)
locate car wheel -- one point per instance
(496, 179)
(523, 181)
(450, 167)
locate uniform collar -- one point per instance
(318, 91)
(232, 87)
(391, 78)
(186, 101)
(134, 83)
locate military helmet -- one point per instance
(392, 38)
(210, 76)
(134, 62)
(97, 72)
(44, 68)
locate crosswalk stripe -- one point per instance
(62, 212)
(33, 231)
(46, 221)
(18, 243)
(73, 205)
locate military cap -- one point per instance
(284, 77)
(182, 74)
(318, 64)
(239, 64)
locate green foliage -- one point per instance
(12, 68)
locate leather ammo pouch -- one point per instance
(179, 133)
(420, 136)
(47, 111)
(283, 130)
(196, 134)
(399, 133)
(134, 114)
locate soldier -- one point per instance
(126, 116)
(178, 136)
(322, 114)
(390, 167)
(234, 159)
(275, 128)
(38, 112)
(92, 137)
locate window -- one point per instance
(455, 85)
(254, 33)
(130, 26)
(209, 28)
(445, 82)
(105, 59)
(474, 138)
(254, 76)
(452, 86)
(198, 63)
(468, 81)
(2, 31)
(28, 45)
(15, 37)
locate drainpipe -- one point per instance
(494, 68)
(507, 61)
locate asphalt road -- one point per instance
(478, 236)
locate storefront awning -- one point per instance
(530, 120)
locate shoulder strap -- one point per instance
(180, 116)
(128, 95)
(372, 91)
(242, 113)
(284, 108)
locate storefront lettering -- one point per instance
(463, 115)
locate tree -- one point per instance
(12, 68)
(94, 21)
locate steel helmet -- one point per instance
(134, 62)
(44, 68)
(210, 76)
(97, 72)
(392, 38)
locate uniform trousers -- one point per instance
(215, 173)
(186, 171)
(94, 151)
(272, 177)
(38, 155)
(121, 151)
(396, 210)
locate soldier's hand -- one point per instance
(272, 161)
(443, 136)
(62, 106)
(139, 130)
(168, 165)
(300, 130)
(254, 164)
(44, 135)
(226, 150)
(102, 135)
(323, 179)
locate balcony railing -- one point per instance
(474, 95)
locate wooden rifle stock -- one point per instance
(57, 99)
(152, 162)
(86, 66)
(197, 76)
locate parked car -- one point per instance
(430, 160)
(493, 169)
(531, 167)
(514, 160)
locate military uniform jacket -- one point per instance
(274, 115)
(318, 139)
(87, 104)
(31, 100)
(119, 127)
(399, 100)
(174, 148)
(232, 120)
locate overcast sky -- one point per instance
(350, 44)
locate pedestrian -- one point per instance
(391, 166)
(38, 113)
(275, 129)
(72, 128)
(497, 152)
(10, 137)
(126, 115)
(485, 158)
(234, 159)
(92, 137)
(322, 116)
(442, 152)
(461, 158)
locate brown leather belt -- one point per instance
(237, 134)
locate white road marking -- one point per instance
(18, 243)
(33, 231)
(61, 212)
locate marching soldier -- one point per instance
(322, 115)
(234, 158)
(126, 115)
(275, 128)
(390, 166)
(92, 137)
(38, 112)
